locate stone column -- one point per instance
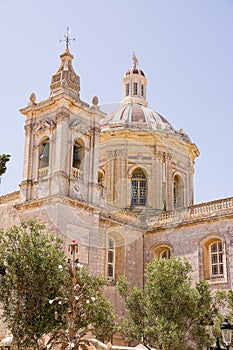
(26, 184)
(169, 181)
(61, 155)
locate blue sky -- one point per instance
(184, 47)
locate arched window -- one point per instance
(111, 259)
(214, 259)
(127, 89)
(78, 159)
(44, 149)
(165, 254)
(142, 90)
(162, 252)
(78, 155)
(115, 256)
(100, 178)
(178, 200)
(135, 88)
(138, 187)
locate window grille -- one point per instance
(127, 90)
(138, 189)
(111, 258)
(216, 258)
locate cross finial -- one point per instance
(135, 60)
(67, 38)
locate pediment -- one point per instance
(44, 124)
(80, 126)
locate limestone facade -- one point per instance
(120, 184)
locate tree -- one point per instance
(224, 298)
(83, 308)
(4, 158)
(169, 313)
(31, 258)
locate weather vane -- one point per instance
(67, 38)
(135, 60)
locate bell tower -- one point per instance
(61, 140)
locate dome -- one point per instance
(136, 117)
(134, 70)
(134, 114)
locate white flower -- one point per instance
(93, 298)
(60, 266)
(76, 298)
(88, 301)
(80, 266)
(60, 302)
(50, 301)
(72, 345)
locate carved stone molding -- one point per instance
(62, 115)
(28, 128)
(81, 127)
(164, 156)
(117, 153)
(43, 125)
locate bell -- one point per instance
(76, 154)
(45, 152)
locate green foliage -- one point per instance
(4, 158)
(224, 299)
(87, 310)
(169, 313)
(31, 258)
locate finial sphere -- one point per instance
(32, 97)
(95, 100)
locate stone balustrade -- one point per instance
(121, 215)
(210, 207)
(42, 172)
(194, 212)
(77, 173)
(9, 197)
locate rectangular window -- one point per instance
(216, 259)
(142, 90)
(134, 192)
(110, 271)
(127, 90)
(214, 269)
(111, 258)
(142, 192)
(135, 88)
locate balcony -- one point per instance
(42, 172)
(77, 173)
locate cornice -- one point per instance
(9, 197)
(52, 100)
(66, 101)
(56, 199)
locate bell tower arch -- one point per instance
(61, 140)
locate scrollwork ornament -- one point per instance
(44, 124)
(62, 115)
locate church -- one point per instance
(120, 184)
